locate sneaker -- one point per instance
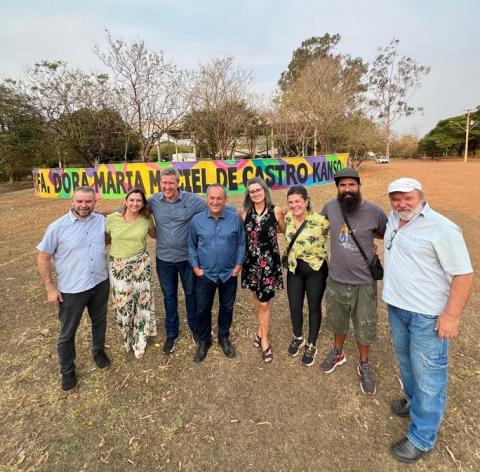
(333, 359)
(295, 345)
(101, 359)
(367, 382)
(309, 355)
(169, 345)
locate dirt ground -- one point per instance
(167, 413)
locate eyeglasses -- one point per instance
(389, 243)
(255, 191)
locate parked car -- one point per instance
(382, 160)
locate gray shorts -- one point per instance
(358, 302)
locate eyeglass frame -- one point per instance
(389, 243)
(255, 191)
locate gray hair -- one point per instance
(170, 171)
(247, 202)
(84, 189)
(217, 186)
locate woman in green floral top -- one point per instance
(307, 270)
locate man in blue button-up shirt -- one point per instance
(173, 210)
(76, 243)
(216, 251)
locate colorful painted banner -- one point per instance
(112, 181)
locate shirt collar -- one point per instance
(221, 217)
(74, 218)
(426, 211)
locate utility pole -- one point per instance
(469, 125)
(467, 129)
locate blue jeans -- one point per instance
(227, 292)
(423, 359)
(168, 273)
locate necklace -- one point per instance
(259, 216)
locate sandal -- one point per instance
(267, 355)
(257, 342)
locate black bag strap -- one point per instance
(295, 236)
(350, 232)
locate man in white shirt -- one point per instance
(427, 282)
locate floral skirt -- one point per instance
(132, 300)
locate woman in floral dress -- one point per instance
(130, 270)
(261, 272)
(307, 270)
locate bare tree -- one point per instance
(68, 99)
(323, 94)
(222, 107)
(151, 94)
(392, 81)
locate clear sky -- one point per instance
(260, 36)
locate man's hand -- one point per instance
(449, 320)
(447, 326)
(54, 297)
(198, 272)
(236, 270)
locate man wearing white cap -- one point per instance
(427, 282)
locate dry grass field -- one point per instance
(167, 413)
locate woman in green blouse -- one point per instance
(307, 270)
(130, 270)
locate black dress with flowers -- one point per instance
(262, 271)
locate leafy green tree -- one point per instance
(23, 135)
(310, 49)
(448, 136)
(392, 82)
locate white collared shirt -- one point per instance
(424, 255)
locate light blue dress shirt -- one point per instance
(423, 257)
(216, 245)
(78, 250)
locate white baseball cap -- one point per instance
(405, 184)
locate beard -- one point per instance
(411, 214)
(349, 201)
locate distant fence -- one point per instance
(112, 181)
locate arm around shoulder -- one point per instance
(279, 215)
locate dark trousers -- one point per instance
(227, 292)
(312, 282)
(70, 314)
(168, 273)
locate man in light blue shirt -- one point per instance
(427, 282)
(76, 243)
(216, 251)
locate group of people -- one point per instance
(207, 244)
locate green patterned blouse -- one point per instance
(311, 243)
